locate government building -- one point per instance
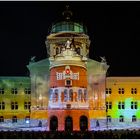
(68, 90)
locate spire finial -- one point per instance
(67, 13)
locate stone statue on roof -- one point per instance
(103, 59)
(32, 59)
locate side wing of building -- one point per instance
(15, 101)
(123, 102)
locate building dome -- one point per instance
(68, 26)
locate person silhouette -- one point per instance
(97, 124)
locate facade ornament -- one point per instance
(68, 44)
(103, 59)
(32, 59)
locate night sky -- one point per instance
(113, 27)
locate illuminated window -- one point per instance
(85, 95)
(71, 95)
(108, 118)
(27, 119)
(133, 90)
(80, 95)
(1, 90)
(51, 94)
(14, 119)
(134, 105)
(55, 98)
(108, 90)
(121, 105)
(59, 76)
(134, 119)
(121, 119)
(57, 51)
(108, 105)
(14, 91)
(65, 95)
(78, 50)
(121, 90)
(2, 105)
(27, 91)
(14, 105)
(68, 83)
(27, 105)
(1, 119)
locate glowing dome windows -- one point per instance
(68, 26)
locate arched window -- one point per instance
(14, 119)
(108, 118)
(80, 95)
(56, 95)
(51, 94)
(53, 123)
(78, 50)
(57, 51)
(27, 119)
(83, 123)
(85, 95)
(121, 119)
(134, 119)
(1, 119)
(65, 95)
(71, 95)
(68, 123)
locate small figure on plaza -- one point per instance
(97, 124)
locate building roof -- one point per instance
(123, 79)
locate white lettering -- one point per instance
(62, 76)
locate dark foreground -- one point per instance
(106, 134)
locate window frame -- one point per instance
(109, 119)
(14, 91)
(1, 119)
(14, 105)
(134, 105)
(27, 105)
(2, 105)
(27, 91)
(134, 118)
(14, 119)
(121, 105)
(133, 90)
(2, 91)
(121, 90)
(108, 105)
(108, 90)
(121, 118)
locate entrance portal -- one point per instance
(53, 123)
(83, 123)
(68, 124)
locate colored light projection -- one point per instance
(68, 87)
(96, 89)
(15, 98)
(124, 112)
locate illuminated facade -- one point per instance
(68, 90)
